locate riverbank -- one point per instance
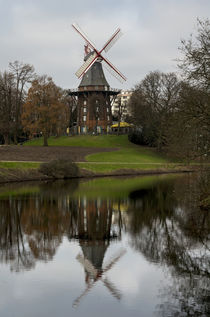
(32, 174)
(96, 156)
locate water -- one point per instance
(105, 247)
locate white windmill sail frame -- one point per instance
(113, 73)
(115, 37)
(87, 64)
(97, 55)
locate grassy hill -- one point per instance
(84, 141)
(125, 155)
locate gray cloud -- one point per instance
(40, 33)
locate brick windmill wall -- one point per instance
(94, 98)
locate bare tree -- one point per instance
(152, 103)
(120, 112)
(22, 74)
(189, 131)
(195, 63)
(7, 111)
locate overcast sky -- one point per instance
(39, 32)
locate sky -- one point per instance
(39, 32)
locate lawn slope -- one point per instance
(124, 157)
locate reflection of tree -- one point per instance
(186, 296)
(13, 246)
(164, 222)
(33, 228)
(167, 227)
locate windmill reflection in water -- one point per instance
(95, 232)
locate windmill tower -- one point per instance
(94, 95)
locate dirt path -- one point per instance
(45, 154)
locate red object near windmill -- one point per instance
(93, 96)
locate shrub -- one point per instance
(143, 137)
(60, 168)
(136, 138)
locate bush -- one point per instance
(143, 137)
(61, 168)
(136, 138)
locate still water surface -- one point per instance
(104, 247)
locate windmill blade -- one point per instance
(113, 39)
(84, 36)
(114, 260)
(78, 299)
(89, 267)
(113, 290)
(113, 70)
(89, 62)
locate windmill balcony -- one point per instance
(81, 90)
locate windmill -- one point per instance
(94, 93)
(95, 274)
(95, 231)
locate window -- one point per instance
(107, 109)
(84, 118)
(85, 102)
(85, 109)
(97, 109)
(108, 118)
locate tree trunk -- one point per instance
(45, 139)
(118, 128)
(15, 137)
(6, 139)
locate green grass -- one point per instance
(84, 141)
(129, 154)
(19, 165)
(110, 167)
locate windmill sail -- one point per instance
(86, 65)
(87, 265)
(98, 56)
(115, 259)
(112, 288)
(114, 73)
(112, 40)
(79, 30)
